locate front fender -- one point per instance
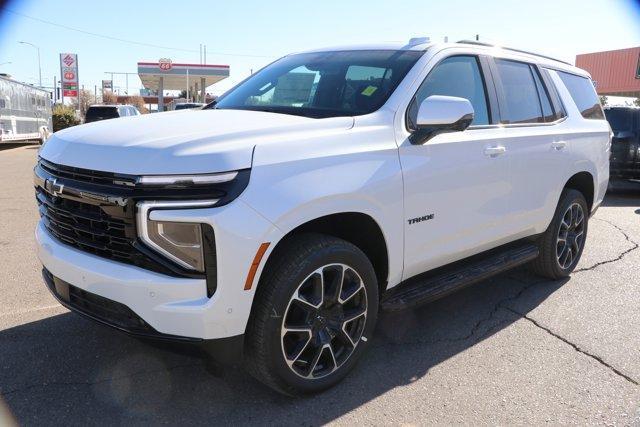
(292, 193)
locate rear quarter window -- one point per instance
(583, 94)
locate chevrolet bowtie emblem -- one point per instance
(53, 187)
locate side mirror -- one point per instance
(438, 114)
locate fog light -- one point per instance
(180, 241)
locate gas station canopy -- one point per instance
(165, 75)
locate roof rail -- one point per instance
(479, 43)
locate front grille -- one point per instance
(94, 212)
(88, 228)
(87, 175)
(95, 218)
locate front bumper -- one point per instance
(174, 306)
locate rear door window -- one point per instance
(520, 102)
(584, 95)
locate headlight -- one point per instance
(180, 242)
(204, 179)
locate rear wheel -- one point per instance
(314, 311)
(562, 243)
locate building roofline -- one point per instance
(176, 64)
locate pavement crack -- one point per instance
(619, 257)
(92, 383)
(473, 331)
(574, 346)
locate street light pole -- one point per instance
(39, 67)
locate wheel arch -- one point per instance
(357, 228)
(583, 182)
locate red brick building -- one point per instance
(616, 72)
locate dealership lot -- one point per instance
(513, 349)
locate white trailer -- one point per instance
(25, 112)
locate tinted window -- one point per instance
(545, 102)
(520, 103)
(552, 91)
(101, 113)
(620, 119)
(323, 84)
(458, 76)
(583, 94)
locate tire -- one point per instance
(288, 295)
(558, 260)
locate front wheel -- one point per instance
(314, 312)
(563, 242)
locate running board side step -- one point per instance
(430, 286)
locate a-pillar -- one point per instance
(161, 95)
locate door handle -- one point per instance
(558, 145)
(494, 151)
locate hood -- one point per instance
(180, 142)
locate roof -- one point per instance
(616, 72)
(373, 46)
(110, 105)
(175, 74)
(30, 86)
(423, 46)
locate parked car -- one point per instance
(103, 112)
(188, 105)
(276, 223)
(625, 145)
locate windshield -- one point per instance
(323, 84)
(620, 119)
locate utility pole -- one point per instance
(188, 85)
(39, 67)
(112, 73)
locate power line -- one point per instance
(104, 36)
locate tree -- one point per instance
(109, 97)
(138, 102)
(603, 100)
(63, 116)
(85, 99)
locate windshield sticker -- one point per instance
(369, 90)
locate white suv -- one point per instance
(277, 222)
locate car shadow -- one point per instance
(626, 198)
(10, 145)
(70, 370)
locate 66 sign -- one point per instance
(69, 75)
(164, 64)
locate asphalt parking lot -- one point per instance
(511, 350)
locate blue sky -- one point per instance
(249, 34)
